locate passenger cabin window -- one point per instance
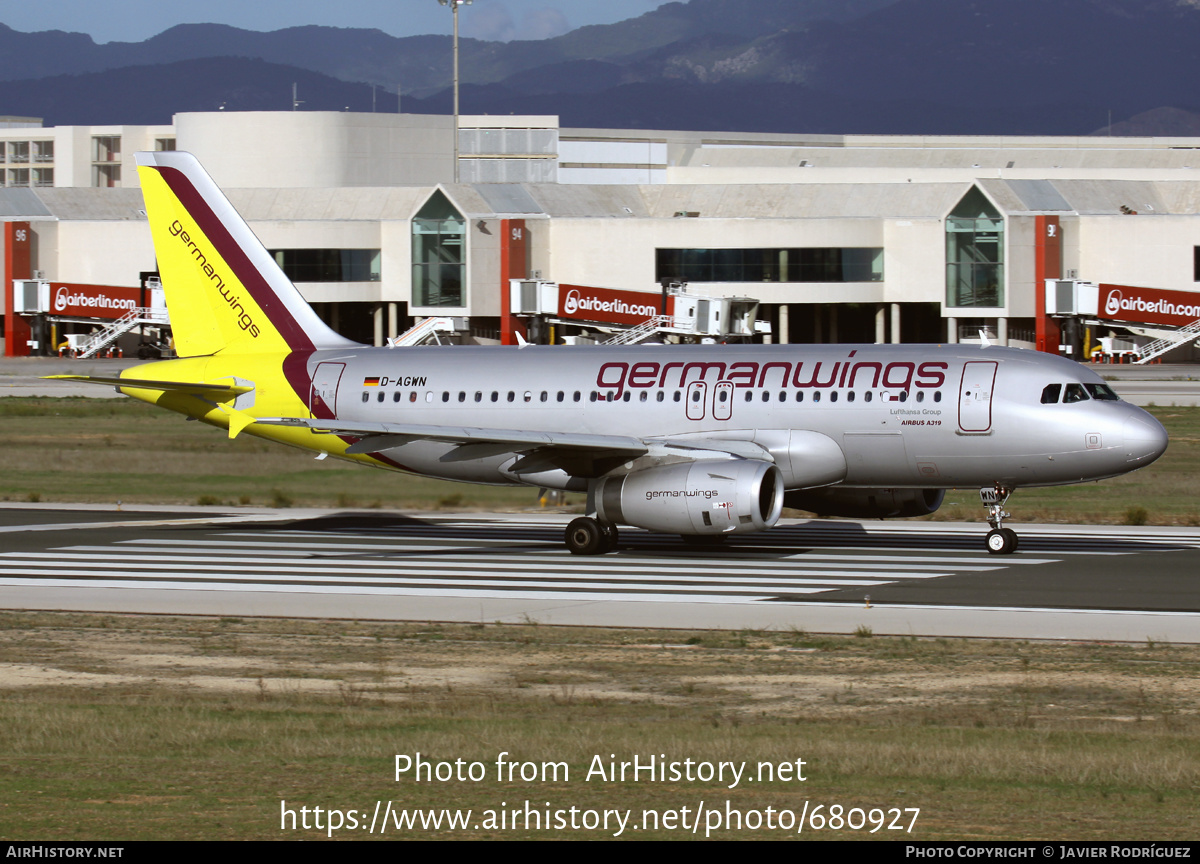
(1051, 393)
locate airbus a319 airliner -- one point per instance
(701, 441)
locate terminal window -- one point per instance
(439, 238)
(818, 264)
(974, 253)
(329, 265)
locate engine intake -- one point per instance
(715, 496)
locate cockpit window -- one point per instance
(1075, 393)
(1102, 392)
(1051, 393)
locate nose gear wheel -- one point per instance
(1000, 540)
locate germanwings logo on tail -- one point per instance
(232, 299)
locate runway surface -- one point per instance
(922, 578)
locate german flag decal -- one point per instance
(371, 382)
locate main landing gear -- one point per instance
(588, 536)
(1000, 540)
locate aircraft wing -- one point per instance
(216, 392)
(382, 436)
(542, 448)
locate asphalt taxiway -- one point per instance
(910, 578)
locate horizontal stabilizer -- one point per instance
(215, 392)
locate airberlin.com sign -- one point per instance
(1148, 305)
(608, 305)
(92, 301)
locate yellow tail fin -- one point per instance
(224, 290)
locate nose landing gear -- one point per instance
(1000, 540)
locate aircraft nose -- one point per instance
(1145, 439)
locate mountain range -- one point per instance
(959, 67)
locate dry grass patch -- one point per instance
(193, 727)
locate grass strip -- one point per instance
(141, 727)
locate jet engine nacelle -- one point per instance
(713, 496)
(866, 503)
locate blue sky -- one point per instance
(135, 20)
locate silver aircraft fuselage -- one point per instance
(902, 416)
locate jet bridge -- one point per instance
(89, 319)
(1161, 319)
(629, 317)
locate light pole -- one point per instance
(454, 4)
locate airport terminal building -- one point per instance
(839, 238)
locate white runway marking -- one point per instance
(814, 575)
(491, 557)
(486, 558)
